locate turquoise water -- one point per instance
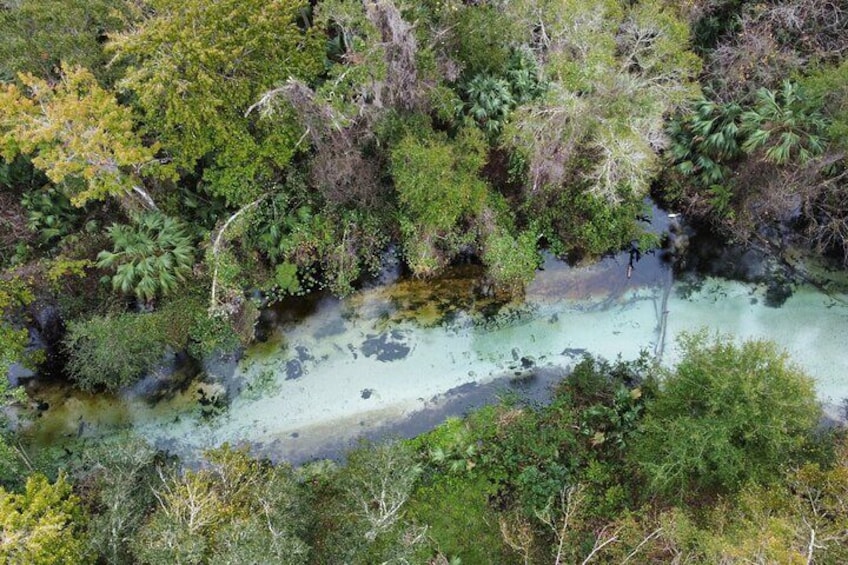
(398, 357)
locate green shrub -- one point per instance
(489, 102)
(787, 125)
(50, 214)
(581, 224)
(436, 178)
(461, 522)
(113, 351)
(511, 261)
(726, 415)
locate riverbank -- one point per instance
(398, 358)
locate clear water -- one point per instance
(398, 357)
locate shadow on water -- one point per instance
(532, 387)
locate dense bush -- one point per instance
(726, 415)
(113, 351)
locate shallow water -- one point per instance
(399, 357)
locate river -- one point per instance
(398, 357)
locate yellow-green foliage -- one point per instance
(197, 66)
(42, 525)
(753, 528)
(14, 294)
(73, 129)
(62, 267)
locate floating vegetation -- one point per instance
(262, 384)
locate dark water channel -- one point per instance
(402, 355)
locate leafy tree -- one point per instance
(725, 415)
(588, 146)
(752, 526)
(379, 481)
(237, 510)
(797, 520)
(43, 525)
(118, 475)
(820, 493)
(151, 257)
(76, 130)
(196, 67)
(357, 77)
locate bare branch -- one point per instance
(216, 248)
(648, 538)
(145, 197)
(812, 544)
(599, 545)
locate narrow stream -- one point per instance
(400, 357)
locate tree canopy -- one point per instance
(74, 128)
(727, 415)
(194, 69)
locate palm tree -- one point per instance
(150, 257)
(489, 102)
(786, 123)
